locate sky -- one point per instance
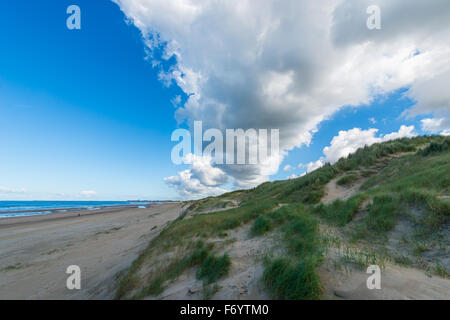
(88, 114)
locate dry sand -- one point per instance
(35, 251)
(397, 282)
(243, 281)
(334, 191)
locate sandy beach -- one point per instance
(36, 250)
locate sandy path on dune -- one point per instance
(243, 282)
(397, 283)
(333, 191)
(34, 254)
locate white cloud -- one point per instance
(435, 125)
(190, 187)
(311, 166)
(347, 142)
(431, 93)
(88, 193)
(291, 64)
(6, 190)
(288, 167)
(373, 120)
(202, 170)
(176, 101)
(404, 132)
(201, 180)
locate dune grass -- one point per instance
(340, 212)
(182, 236)
(294, 276)
(213, 268)
(383, 213)
(413, 180)
(347, 179)
(261, 226)
(293, 280)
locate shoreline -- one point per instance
(57, 214)
(36, 250)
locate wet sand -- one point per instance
(35, 251)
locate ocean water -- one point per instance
(29, 208)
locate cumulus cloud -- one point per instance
(176, 101)
(435, 125)
(404, 132)
(204, 172)
(201, 180)
(290, 65)
(288, 167)
(347, 142)
(189, 187)
(311, 166)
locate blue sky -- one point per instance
(384, 114)
(80, 109)
(83, 110)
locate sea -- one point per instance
(30, 208)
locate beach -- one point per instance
(35, 251)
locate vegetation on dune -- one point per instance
(295, 276)
(436, 147)
(418, 181)
(383, 213)
(261, 226)
(340, 212)
(213, 268)
(400, 174)
(347, 179)
(182, 237)
(288, 280)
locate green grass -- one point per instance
(414, 172)
(418, 178)
(383, 213)
(16, 266)
(109, 231)
(210, 290)
(414, 182)
(441, 271)
(180, 236)
(362, 258)
(157, 283)
(213, 268)
(295, 276)
(261, 226)
(340, 212)
(293, 280)
(347, 179)
(435, 148)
